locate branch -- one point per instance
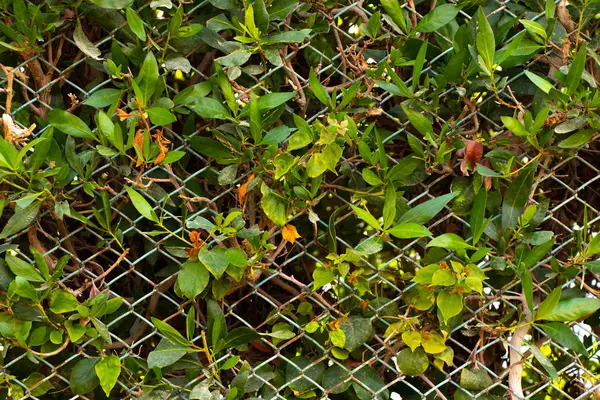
(516, 367)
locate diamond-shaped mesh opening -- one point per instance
(279, 292)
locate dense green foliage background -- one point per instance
(271, 199)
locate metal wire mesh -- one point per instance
(140, 269)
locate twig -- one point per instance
(52, 353)
(103, 275)
(437, 391)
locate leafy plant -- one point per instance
(273, 199)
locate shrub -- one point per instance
(274, 199)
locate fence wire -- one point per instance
(150, 267)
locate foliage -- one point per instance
(274, 199)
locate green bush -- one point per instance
(274, 199)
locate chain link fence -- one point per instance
(144, 277)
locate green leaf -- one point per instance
(421, 123)
(299, 369)
(41, 388)
(443, 277)
(516, 197)
(573, 309)
(486, 44)
(169, 332)
(113, 4)
(280, 9)
(424, 275)
(276, 135)
(211, 148)
(412, 363)
(274, 206)
(409, 230)
(592, 248)
(287, 37)
(140, 204)
(24, 289)
(535, 29)
(216, 326)
(449, 304)
(136, 24)
(540, 82)
(62, 301)
(477, 220)
(337, 338)
(423, 212)
(255, 119)
(322, 277)
(527, 284)
(147, 79)
(108, 371)
(83, 376)
(433, 343)
(237, 337)
(236, 58)
(261, 16)
(564, 336)
(576, 70)
(301, 138)
(418, 66)
(366, 216)
(75, 330)
(215, 260)
(336, 379)
(549, 304)
(370, 378)
(192, 279)
(237, 257)
(537, 253)
(165, 354)
(318, 90)
(440, 16)
(69, 124)
(394, 10)
(412, 339)
(514, 125)
(369, 246)
(209, 108)
(450, 241)
(512, 48)
(389, 207)
(230, 363)
(371, 177)
(23, 269)
(358, 331)
(160, 116)
(103, 98)
(543, 360)
(190, 323)
(475, 379)
(84, 43)
(274, 100)
(577, 139)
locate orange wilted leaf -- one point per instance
(242, 190)
(138, 142)
(124, 115)
(162, 145)
(472, 156)
(335, 325)
(290, 233)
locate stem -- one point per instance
(516, 367)
(579, 25)
(162, 58)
